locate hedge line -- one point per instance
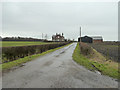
(13, 53)
(85, 49)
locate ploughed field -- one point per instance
(108, 49)
(21, 43)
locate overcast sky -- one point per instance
(31, 19)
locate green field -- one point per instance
(20, 43)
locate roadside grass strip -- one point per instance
(106, 68)
(9, 65)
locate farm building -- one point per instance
(58, 37)
(97, 39)
(85, 39)
(88, 39)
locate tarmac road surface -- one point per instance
(55, 70)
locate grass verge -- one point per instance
(9, 65)
(105, 68)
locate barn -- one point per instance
(85, 39)
(94, 39)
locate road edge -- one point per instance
(8, 66)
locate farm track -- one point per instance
(56, 70)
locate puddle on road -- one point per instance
(57, 56)
(48, 63)
(62, 52)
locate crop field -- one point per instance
(20, 43)
(108, 49)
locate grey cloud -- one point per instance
(32, 19)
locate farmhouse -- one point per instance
(58, 37)
(87, 39)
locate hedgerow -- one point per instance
(85, 49)
(14, 53)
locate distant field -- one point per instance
(20, 43)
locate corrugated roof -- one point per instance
(97, 37)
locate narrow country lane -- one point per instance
(56, 70)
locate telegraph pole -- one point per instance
(46, 36)
(80, 34)
(42, 35)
